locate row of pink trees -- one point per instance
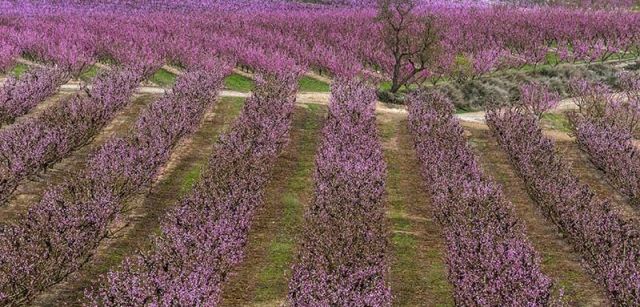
(58, 233)
(31, 146)
(19, 96)
(404, 40)
(342, 258)
(606, 239)
(605, 127)
(490, 260)
(203, 238)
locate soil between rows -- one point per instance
(559, 260)
(262, 279)
(418, 274)
(145, 211)
(30, 190)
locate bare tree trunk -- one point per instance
(395, 82)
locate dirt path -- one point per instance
(174, 70)
(74, 86)
(24, 61)
(479, 116)
(262, 279)
(302, 97)
(243, 73)
(418, 270)
(102, 66)
(145, 211)
(313, 75)
(32, 189)
(559, 261)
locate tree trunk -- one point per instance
(395, 87)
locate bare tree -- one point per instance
(411, 38)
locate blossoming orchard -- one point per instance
(320, 153)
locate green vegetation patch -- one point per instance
(273, 277)
(190, 179)
(308, 84)
(163, 78)
(19, 69)
(556, 121)
(239, 83)
(233, 107)
(89, 73)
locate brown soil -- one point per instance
(31, 190)
(418, 270)
(240, 290)
(559, 260)
(143, 214)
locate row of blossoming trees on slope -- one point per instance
(607, 240)
(491, 262)
(203, 237)
(605, 127)
(70, 220)
(18, 96)
(342, 257)
(32, 145)
(340, 40)
(343, 248)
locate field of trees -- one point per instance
(319, 153)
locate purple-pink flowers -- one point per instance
(19, 96)
(203, 237)
(342, 258)
(30, 146)
(490, 260)
(60, 231)
(608, 243)
(537, 99)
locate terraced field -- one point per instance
(290, 154)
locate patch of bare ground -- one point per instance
(31, 190)
(262, 279)
(174, 70)
(559, 260)
(143, 212)
(418, 274)
(243, 73)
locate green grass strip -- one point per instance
(19, 69)
(308, 84)
(163, 78)
(236, 82)
(273, 277)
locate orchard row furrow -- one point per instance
(343, 247)
(203, 238)
(59, 232)
(606, 240)
(490, 259)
